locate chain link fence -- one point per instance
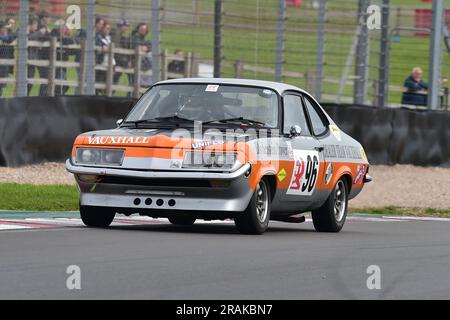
(321, 46)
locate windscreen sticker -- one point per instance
(212, 88)
(305, 173)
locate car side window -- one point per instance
(294, 114)
(319, 126)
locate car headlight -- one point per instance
(210, 160)
(99, 156)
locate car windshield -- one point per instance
(207, 103)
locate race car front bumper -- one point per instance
(136, 190)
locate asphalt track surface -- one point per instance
(155, 260)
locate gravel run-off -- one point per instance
(399, 185)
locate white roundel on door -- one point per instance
(305, 173)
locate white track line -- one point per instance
(12, 227)
(37, 223)
(402, 218)
(376, 219)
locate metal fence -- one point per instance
(122, 47)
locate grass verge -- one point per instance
(28, 197)
(400, 211)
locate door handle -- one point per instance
(320, 149)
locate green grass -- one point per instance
(29, 197)
(400, 211)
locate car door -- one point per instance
(320, 130)
(305, 168)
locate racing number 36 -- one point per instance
(312, 166)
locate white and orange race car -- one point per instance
(247, 150)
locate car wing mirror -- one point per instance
(295, 131)
(119, 122)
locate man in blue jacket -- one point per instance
(414, 82)
(415, 89)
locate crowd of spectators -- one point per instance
(41, 27)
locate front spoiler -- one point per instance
(145, 198)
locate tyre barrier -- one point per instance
(40, 129)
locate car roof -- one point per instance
(276, 86)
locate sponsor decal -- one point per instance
(205, 143)
(363, 155)
(328, 173)
(212, 88)
(282, 174)
(118, 140)
(176, 164)
(290, 150)
(305, 173)
(335, 131)
(269, 149)
(340, 151)
(359, 176)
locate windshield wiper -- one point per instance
(158, 119)
(136, 122)
(173, 118)
(238, 119)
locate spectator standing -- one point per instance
(11, 25)
(103, 41)
(139, 35)
(177, 66)
(99, 23)
(64, 35)
(138, 39)
(6, 52)
(414, 82)
(122, 40)
(146, 65)
(44, 52)
(78, 38)
(33, 52)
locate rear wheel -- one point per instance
(330, 217)
(255, 219)
(182, 221)
(99, 217)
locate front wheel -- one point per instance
(255, 219)
(98, 217)
(330, 217)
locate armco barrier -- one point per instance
(37, 129)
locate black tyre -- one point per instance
(182, 221)
(255, 219)
(330, 217)
(98, 217)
